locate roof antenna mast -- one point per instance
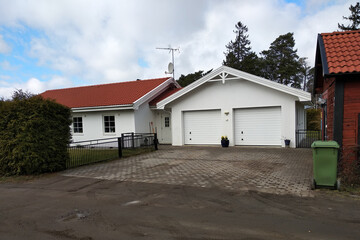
(171, 69)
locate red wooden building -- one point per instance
(337, 82)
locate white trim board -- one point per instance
(224, 74)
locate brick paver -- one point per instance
(273, 170)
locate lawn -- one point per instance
(83, 156)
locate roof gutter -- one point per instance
(103, 108)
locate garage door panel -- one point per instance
(258, 126)
(202, 127)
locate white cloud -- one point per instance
(104, 42)
(33, 85)
(4, 47)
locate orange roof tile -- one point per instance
(121, 93)
(342, 51)
(163, 95)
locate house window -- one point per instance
(77, 125)
(109, 124)
(167, 122)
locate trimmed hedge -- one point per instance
(34, 134)
(313, 119)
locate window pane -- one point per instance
(77, 125)
(167, 122)
(109, 124)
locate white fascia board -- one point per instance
(301, 95)
(153, 92)
(188, 88)
(103, 108)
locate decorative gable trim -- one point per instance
(224, 74)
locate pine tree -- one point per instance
(281, 62)
(185, 80)
(239, 54)
(354, 18)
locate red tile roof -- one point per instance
(342, 51)
(163, 95)
(121, 93)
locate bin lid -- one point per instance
(325, 144)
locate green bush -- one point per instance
(34, 134)
(313, 117)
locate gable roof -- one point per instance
(225, 73)
(113, 94)
(340, 52)
(163, 95)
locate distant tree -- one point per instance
(306, 73)
(21, 95)
(239, 54)
(354, 18)
(310, 80)
(185, 80)
(281, 62)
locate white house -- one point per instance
(107, 110)
(249, 110)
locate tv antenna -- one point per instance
(171, 68)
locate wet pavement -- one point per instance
(263, 169)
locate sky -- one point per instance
(51, 44)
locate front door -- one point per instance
(165, 128)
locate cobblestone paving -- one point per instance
(272, 170)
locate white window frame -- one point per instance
(167, 123)
(104, 125)
(82, 125)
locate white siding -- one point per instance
(143, 118)
(234, 94)
(93, 125)
(202, 127)
(258, 126)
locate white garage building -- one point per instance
(249, 110)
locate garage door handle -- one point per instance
(242, 139)
(189, 132)
(242, 132)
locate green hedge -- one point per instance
(34, 134)
(313, 117)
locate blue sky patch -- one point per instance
(142, 63)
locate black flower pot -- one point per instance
(224, 143)
(287, 142)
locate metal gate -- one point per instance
(304, 138)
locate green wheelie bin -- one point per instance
(325, 159)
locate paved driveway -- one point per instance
(271, 170)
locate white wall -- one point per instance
(143, 116)
(229, 96)
(93, 125)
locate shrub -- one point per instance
(313, 117)
(34, 134)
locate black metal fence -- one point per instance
(92, 151)
(304, 138)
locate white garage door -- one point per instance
(258, 126)
(202, 127)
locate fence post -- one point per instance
(122, 140)
(120, 147)
(132, 140)
(155, 141)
